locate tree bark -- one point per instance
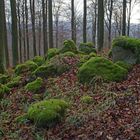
(2, 40)
(124, 18)
(14, 32)
(50, 24)
(85, 22)
(100, 35)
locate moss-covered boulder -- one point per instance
(52, 52)
(68, 54)
(69, 46)
(26, 67)
(87, 48)
(4, 78)
(85, 58)
(103, 67)
(3, 89)
(47, 113)
(87, 99)
(126, 49)
(14, 82)
(39, 60)
(124, 65)
(34, 86)
(55, 67)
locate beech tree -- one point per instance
(2, 36)
(14, 32)
(100, 31)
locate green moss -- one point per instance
(110, 54)
(14, 82)
(85, 58)
(124, 65)
(56, 66)
(47, 113)
(39, 60)
(87, 99)
(87, 48)
(4, 78)
(28, 66)
(52, 52)
(3, 89)
(34, 86)
(126, 43)
(69, 46)
(68, 54)
(100, 66)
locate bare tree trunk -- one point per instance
(24, 30)
(50, 24)
(27, 30)
(124, 18)
(45, 36)
(129, 18)
(14, 32)
(100, 39)
(73, 24)
(19, 32)
(2, 42)
(85, 22)
(32, 9)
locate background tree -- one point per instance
(85, 22)
(50, 24)
(73, 24)
(100, 34)
(124, 18)
(14, 32)
(2, 37)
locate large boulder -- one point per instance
(101, 67)
(47, 113)
(87, 48)
(126, 49)
(69, 46)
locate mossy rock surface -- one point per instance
(124, 65)
(14, 82)
(85, 58)
(48, 112)
(68, 54)
(3, 89)
(26, 67)
(34, 86)
(55, 67)
(126, 49)
(52, 52)
(4, 78)
(103, 67)
(69, 46)
(87, 99)
(39, 60)
(87, 48)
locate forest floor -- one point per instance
(114, 114)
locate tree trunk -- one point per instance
(27, 30)
(14, 32)
(73, 24)
(32, 10)
(44, 13)
(85, 22)
(50, 24)
(19, 32)
(129, 18)
(100, 38)
(124, 18)
(2, 40)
